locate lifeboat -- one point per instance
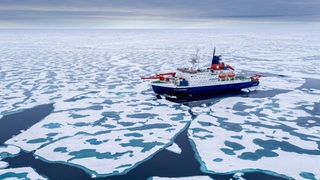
(231, 75)
(222, 75)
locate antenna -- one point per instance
(198, 61)
(197, 52)
(195, 60)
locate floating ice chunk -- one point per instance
(182, 178)
(311, 121)
(245, 90)
(174, 148)
(8, 151)
(3, 164)
(199, 110)
(238, 176)
(251, 89)
(20, 173)
(312, 91)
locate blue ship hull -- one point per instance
(187, 91)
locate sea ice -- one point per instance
(20, 173)
(277, 82)
(103, 112)
(266, 134)
(3, 164)
(107, 121)
(88, 135)
(238, 176)
(8, 151)
(174, 148)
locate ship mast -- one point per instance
(214, 52)
(195, 61)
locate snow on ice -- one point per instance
(20, 173)
(8, 151)
(268, 134)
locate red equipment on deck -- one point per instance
(161, 76)
(255, 77)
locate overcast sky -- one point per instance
(153, 13)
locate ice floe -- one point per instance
(274, 135)
(8, 151)
(3, 164)
(174, 148)
(238, 176)
(20, 173)
(101, 138)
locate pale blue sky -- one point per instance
(155, 13)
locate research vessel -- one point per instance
(193, 80)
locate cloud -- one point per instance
(61, 12)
